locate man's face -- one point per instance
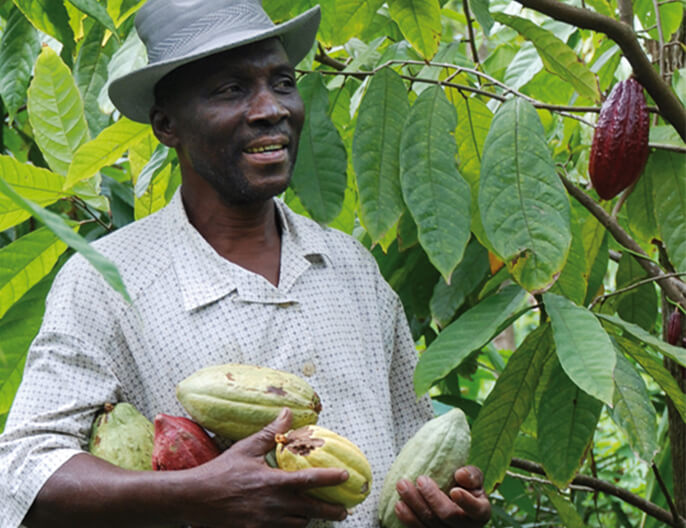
(237, 118)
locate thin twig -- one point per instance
(661, 39)
(470, 32)
(601, 485)
(84, 207)
(545, 482)
(647, 280)
(668, 497)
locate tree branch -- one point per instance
(673, 288)
(601, 298)
(591, 482)
(670, 107)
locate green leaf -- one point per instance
(640, 205)
(98, 11)
(654, 367)
(595, 239)
(19, 48)
(524, 207)
(568, 513)
(585, 350)
(435, 193)
(420, 23)
(56, 111)
(466, 278)
(638, 305)
(473, 122)
(159, 160)
(343, 19)
(24, 262)
(525, 65)
(319, 177)
(105, 149)
(567, 418)
(470, 332)
(130, 56)
(572, 280)
(18, 328)
(557, 57)
(155, 195)
(90, 73)
(50, 17)
(57, 225)
(633, 411)
(670, 194)
(39, 185)
(376, 151)
(678, 354)
(482, 15)
(506, 407)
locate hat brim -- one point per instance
(133, 93)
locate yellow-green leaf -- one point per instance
(420, 23)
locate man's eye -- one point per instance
(285, 82)
(228, 89)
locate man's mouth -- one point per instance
(265, 148)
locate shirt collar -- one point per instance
(204, 276)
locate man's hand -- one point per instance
(426, 506)
(238, 488)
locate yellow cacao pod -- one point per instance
(439, 447)
(235, 401)
(315, 446)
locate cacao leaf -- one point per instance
(50, 17)
(633, 412)
(567, 418)
(568, 513)
(98, 11)
(120, 10)
(468, 276)
(524, 207)
(344, 19)
(420, 23)
(39, 185)
(376, 152)
(595, 239)
(638, 305)
(319, 177)
(19, 48)
(558, 58)
(572, 281)
(640, 205)
(435, 193)
(18, 328)
(675, 353)
(105, 149)
(130, 56)
(470, 332)
(506, 407)
(154, 196)
(24, 262)
(90, 73)
(56, 111)
(654, 367)
(670, 194)
(482, 15)
(524, 66)
(64, 232)
(583, 347)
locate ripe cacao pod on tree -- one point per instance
(180, 443)
(439, 448)
(235, 401)
(674, 327)
(315, 446)
(619, 149)
(122, 436)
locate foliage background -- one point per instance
(452, 138)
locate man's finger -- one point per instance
(442, 505)
(313, 478)
(406, 516)
(414, 500)
(469, 477)
(263, 441)
(475, 504)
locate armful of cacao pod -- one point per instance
(234, 489)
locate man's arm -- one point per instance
(235, 489)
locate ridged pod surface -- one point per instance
(439, 447)
(674, 327)
(619, 149)
(122, 436)
(180, 443)
(315, 446)
(235, 401)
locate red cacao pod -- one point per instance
(674, 327)
(619, 150)
(180, 443)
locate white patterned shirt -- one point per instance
(332, 320)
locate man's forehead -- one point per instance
(263, 52)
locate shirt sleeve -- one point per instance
(66, 381)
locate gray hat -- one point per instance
(176, 32)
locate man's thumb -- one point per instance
(263, 441)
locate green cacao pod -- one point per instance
(235, 401)
(315, 446)
(619, 149)
(439, 447)
(122, 436)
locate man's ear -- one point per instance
(163, 126)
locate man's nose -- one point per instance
(266, 106)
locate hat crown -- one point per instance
(172, 28)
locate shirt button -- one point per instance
(309, 368)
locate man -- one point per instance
(225, 273)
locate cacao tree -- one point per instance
(453, 139)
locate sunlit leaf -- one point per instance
(96, 10)
(420, 22)
(343, 19)
(50, 17)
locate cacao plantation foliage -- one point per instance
(452, 138)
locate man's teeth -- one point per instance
(266, 148)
